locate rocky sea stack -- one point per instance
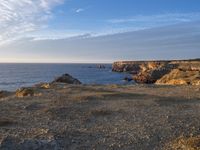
(66, 78)
(175, 72)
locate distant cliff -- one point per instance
(162, 72)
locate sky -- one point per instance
(87, 31)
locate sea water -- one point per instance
(13, 76)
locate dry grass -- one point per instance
(183, 143)
(130, 117)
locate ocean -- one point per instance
(13, 76)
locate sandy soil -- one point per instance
(135, 117)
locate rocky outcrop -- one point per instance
(181, 77)
(66, 78)
(34, 91)
(23, 92)
(162, 72)
(135, 67)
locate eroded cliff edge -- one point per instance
(174, 72)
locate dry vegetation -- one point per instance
(63, 116)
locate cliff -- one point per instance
(162, 72)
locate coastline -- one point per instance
(69, 116)
(66, 114)
(14, 76)
(163, 72)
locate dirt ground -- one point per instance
(132, 117)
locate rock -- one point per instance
(174, 82)
(180, 77)
(142, 78)
(101, 66)
(23, 92)
(137, 66)
(43, 85)
(46, 86)
(128, 79)
(196, 82)
(175, 72)
(149, 76)
(66, 78)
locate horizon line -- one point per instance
(98, 62)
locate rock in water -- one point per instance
(101, 66)
(66, 78)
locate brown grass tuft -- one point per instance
(183, 143)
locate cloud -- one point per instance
(18, 17)
(179, 41)
(79, 10)
(157, 20)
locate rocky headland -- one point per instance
(175, 72)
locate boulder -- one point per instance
(66, 78)
(23, 92)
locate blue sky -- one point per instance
(98, 16)
(98, 30)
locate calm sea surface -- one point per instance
(13, 76)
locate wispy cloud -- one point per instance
(79, 10)
(156, 20)
(17, 17)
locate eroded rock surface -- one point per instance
(162, 72)
(181, 77)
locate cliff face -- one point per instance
(162, 72)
